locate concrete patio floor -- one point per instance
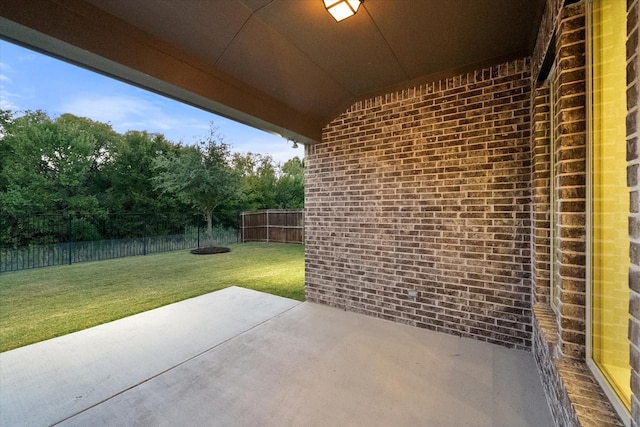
(238, 357)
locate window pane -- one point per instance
(610, 210)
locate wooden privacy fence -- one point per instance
(273, 225)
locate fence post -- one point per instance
(286, 226)
(70, 236)
(144, 234)
(198, 222)
(267, 225)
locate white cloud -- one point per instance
(278, 148)
(7, 97)
(114, 109)
(131, 113)
(6, 104)
(179, 123)
(11, 93)
(32, 56)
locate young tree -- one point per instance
(199, 176)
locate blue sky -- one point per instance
(32, 81)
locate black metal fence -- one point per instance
(47, 240)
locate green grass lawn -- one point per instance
(36, 305)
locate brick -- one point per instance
(442, 183)
(445, 189)
(632, 148)
(632, 43)
(632, 175)
(634, 281)
(634, 227)
(632, 123)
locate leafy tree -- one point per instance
(6, 151)
(257, 181)
(50, 164)
(199, 176)
(125, 187)
(265, 186)
(106, 142)
(70, 165)
(290, 185)
(127, 178)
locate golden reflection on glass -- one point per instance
(610, 210)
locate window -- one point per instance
(609, 209)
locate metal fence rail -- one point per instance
(273, 225)
(49, 240)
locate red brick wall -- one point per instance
(541, 196)
(427, 190)
(574, 396)
(570, 179)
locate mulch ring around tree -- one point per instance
(210, 250)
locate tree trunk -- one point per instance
(209, 216)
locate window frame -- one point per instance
(553, 196)
(611, 395)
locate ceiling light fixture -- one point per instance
(342, 9)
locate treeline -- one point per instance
(72, 165)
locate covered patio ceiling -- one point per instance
(284, 66)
